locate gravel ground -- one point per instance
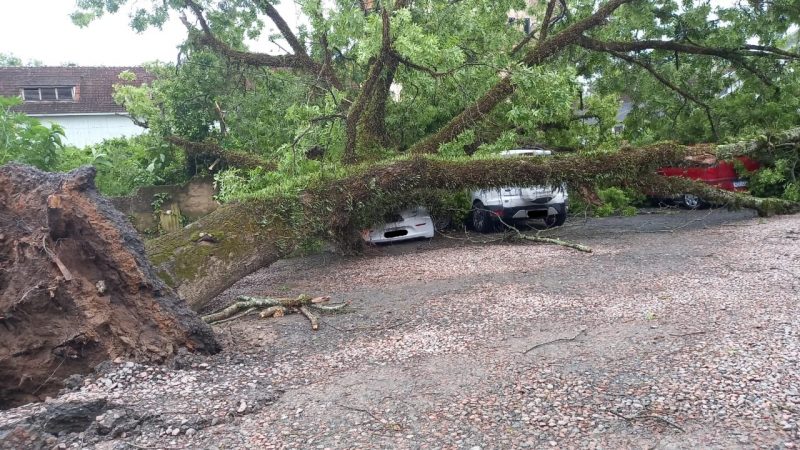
(679, 331)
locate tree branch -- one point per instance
(432, 72)
(299, 60)
(672, 86)
(734, 55)
(766, 50)
(283, 27)
(232, 157)
(360, 104)
(474, 113)
(548, 14)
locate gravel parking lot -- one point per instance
(680, 330)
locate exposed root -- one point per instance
(276, 307)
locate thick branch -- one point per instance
(283, 27)
(360, 104)
(504, 88)
(735, 56)
(667, 186)
(231, 157)
(766, 50)
(548, 14)
(250, 235)
(299, 60)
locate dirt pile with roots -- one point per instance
(76, 288)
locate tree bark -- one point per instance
(239, 239)
(254, 234)
(373, 122)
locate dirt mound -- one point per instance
(75, 286)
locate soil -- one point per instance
(680, 330)
(76, 288)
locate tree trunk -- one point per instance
(248, 236)
(373, 122)
(209, 255)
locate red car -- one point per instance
(721, 174)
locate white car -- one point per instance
(413, 223)
(519, 203)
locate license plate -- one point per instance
(740, 184)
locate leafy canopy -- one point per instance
(687, 70)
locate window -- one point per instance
(48, 94)
(64, 93)
(30, 94)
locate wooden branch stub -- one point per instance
(273, 311)
(311, 317)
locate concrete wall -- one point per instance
(83, 130)
(192, 200)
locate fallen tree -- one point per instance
(257, 232)
(76, 288)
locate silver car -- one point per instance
(514, 203)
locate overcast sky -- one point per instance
(41, 30)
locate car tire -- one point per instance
(557, 219)
(481, 218)
(691, 201)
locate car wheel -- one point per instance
(556, 220)
(481, 218)
(691, 201)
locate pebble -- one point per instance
(728, 385)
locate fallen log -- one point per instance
(76, 288)
(258, 232)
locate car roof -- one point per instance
(526, 151)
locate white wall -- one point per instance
(83, 130)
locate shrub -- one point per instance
(124, 164)
(617, 201)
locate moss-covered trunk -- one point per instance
(208, 256)
(211, 254)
